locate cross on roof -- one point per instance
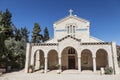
(70, 11)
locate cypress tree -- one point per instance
(24, 34)
(2, 39)
(7, 24)
(36, 36)
(17, 34)
(46, 34)
(1, 26)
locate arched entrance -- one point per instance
(101, 58)
(69, 58)
(38, 59)
(52, 59)
(86, 60)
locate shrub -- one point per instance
(108, 70)
(58, 66)
(31, 67)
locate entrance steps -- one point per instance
(90, 72)
(72, 71)
(82, 72)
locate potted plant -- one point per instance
(58, 68)
(42, 68)
(30, 69)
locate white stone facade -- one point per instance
(72, 48)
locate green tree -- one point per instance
(1, 26)
(17, 34)
(1, 16)
(2, 39)
(2, 47)
(7, 24)
(12, 42)
(46, 35)
(24, 34)
(36, 36)
(16, 53)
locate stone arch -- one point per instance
(52, 59)
(69, 58)
(101, 58)
(39, 59)
(86, 60)
(64, 47)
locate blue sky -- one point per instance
(104, 15)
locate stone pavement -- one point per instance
(52, 75)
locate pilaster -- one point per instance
(115, 62)
(59, 62)
(37, 60)
(28, 53)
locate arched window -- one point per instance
(73, 29)
(70, 29)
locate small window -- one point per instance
(73, 29)
(68, 29)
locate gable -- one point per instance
(72, 17)
(81, 27)
(72, 25)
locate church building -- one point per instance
(72, 47)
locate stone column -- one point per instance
(37, 61)
(94, 64)
(59, 62)
(28, 54)
(79, 64)
(110, 59)
(46, 65)
(115, 62)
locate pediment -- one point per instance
(69, 36)
(71, 17)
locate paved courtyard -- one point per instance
(52, 75)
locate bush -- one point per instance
(31, 67)
(108, 70)
(58, 66)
